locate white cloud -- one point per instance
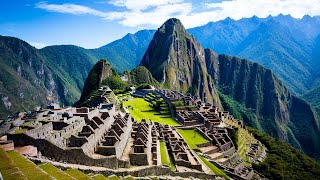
(155, 12)
(70, 9)
(142, 4)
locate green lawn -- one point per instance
(7, 167)
(28, 168)
(166, 159)
(140, 109)
(213, 168)
(55, 172)
(192, 137)
(164, 154)
(77, 174)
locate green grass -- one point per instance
(99, 177)
(77, 174)
(113, 177)
(7, 167)
(164, 154)
(192, 137)
(55, 172)
(243, 144)
(142, 110)
(172, 166)
(213, 168)
(28, 168)
(20, 131)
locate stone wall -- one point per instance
(70, 155)
(124, 138)
(140, 159)
(41, 132)
(4, 129)
(60, 138)
(93, 140)
(137, 172)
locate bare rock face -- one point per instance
(177, 60)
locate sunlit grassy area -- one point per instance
(192, 137)
(164, 154)
(55, 172)
(28, 168)
(8, 168)
(213, 168)
(113, 177)
(77, 174)
(140, 109)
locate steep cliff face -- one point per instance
(100, 71)
(25, 79)
(177, 61)
(274, 108)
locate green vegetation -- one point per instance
(166, 159)
(213, 168)
(172, 166)
(28, 168)
(55, 172)
(258, 97)
(164, 154)
(141, 109)
(21, 130)
(113, 177)
(283, 161)
(77, 174)
(115, 82)
(144, 86)
(239, 111)
(142, 76)
(192, 137)
(8, 169)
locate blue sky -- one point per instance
(94, 23)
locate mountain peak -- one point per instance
(173, 22)
(172, 25)
(177, 60)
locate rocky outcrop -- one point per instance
(100, 71)
(177, 61)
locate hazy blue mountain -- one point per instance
(282, 43)
(125, 53)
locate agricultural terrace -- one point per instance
(213, 168)
(192, 137)
(165, 158)
(140, 109)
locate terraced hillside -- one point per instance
(14, 165)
